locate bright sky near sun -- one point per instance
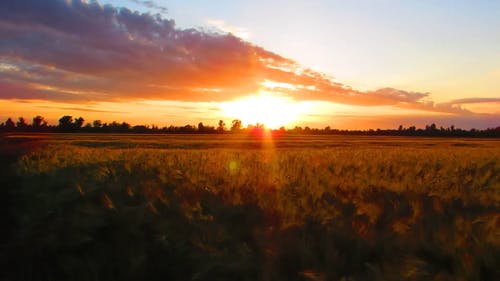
(395, 62)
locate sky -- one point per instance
(345, 64)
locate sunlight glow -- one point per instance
(237, 31)
(265, 108)
(271, 85)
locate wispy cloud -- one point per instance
(474, 100)
(237, 31)
(84, 109)
(151, 5)
(74, 51)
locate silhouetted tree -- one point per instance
(187, 129)
(10, 125)
(39, 122)
(21, 123)
(222, 126)
(66, 123)
(140, 129)
(201, 128)
(431, 127)
(78, 122)
(236, 125)
(97, 124)
(124, 127)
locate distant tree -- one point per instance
(209, 129)
(201, 128)
(78, 122)
(431, 127)
(260, 126)
(124, 126)
(221, 127)
(187, 129)
(236, 125)
(97, 124)
(114, 126)
(39, 122)
(171, 128)
(140, 129)
(66, 123)
(21, 123)
(10, 125)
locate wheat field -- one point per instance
(117, 207)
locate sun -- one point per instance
(264, 108)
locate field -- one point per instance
(229, 207)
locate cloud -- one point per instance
(85, 109)
(221, 25)
(474, 100)
(121, 53)
(151, 5)
(74, 51)
(455, 106)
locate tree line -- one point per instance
(68, 124)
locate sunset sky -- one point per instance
(355, 64)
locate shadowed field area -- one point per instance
(236, 207)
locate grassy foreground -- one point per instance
(83, 207)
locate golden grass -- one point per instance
(370, 209)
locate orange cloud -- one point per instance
(74, 51)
